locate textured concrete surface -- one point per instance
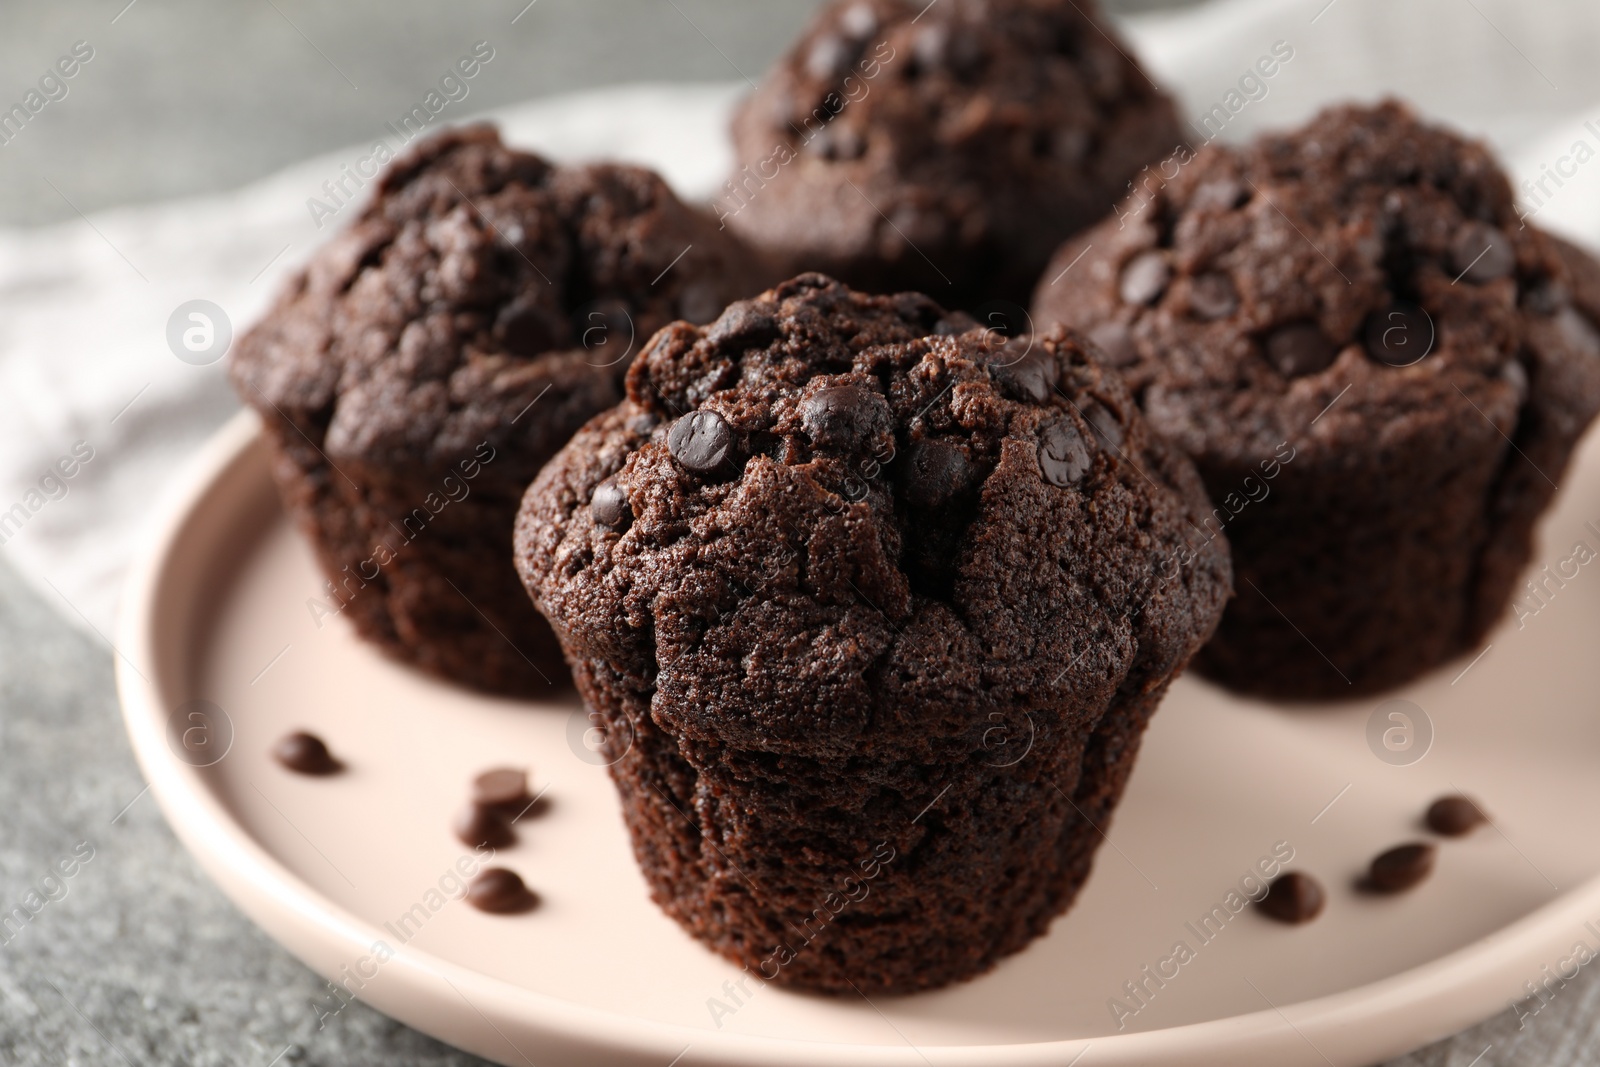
(139, 960)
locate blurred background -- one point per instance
(191, 96)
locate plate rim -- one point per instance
(1358, 1025)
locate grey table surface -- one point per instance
(142, 961)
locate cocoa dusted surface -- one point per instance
(437, 351)
(946, 148)
(1272, 301)
(873, 673)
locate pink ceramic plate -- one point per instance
(355, 874)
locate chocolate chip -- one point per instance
(746, 324)
(1483, 254)
(500, 891)
(1145, 278)
(642, 424)
(1115, 342)
(1400, 868)
(1293, 898)
(1399, 335)
(1300, 349)
(954, 323)
(1104, 424)
(609, 506)
(1547, 297)
(1070, 145)
(505, 788)
(936, 472)
(1063, 457)
(305, 753)
(928, 47)
(1030, 375)
(934, 47)
(1578, 331)
(479, 826)
(840, 418)
(700, 441)
(1454, 816)
(1212, 296)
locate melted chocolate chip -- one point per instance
(1030, 375)
(1221, 194)
(841, 418)
(1104, 424)
(745, 324)
(1063, 457)
(609, 506)
(700, 441)
(1145, 278)
(1399, 335)
(478, 826)
(500, 892)
(1115, 342)
(1483, 254)
(936, 472)
(305, 753)
(1293, 898)
(1400, 868)
(505, 788)
(1212, 296)
(1454, 816)
(1300, 349)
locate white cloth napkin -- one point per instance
(86, 368)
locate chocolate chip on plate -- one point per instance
(1145, 278)
(1483, 254)
(1455, 815)
(1293, 898)
(700, 441)
(505, 788)
(1399, 335)
(500, 892)
(305, 753)
(1212, 296)
(1300, 349)
(609, 506)
(481, 826)
(1063, 457)
(1400, 868)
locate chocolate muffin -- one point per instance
(1378, 370)
(418, 372)
(875, 608)
(947, 148)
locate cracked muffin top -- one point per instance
(1366, 251)
(477, 281)
(829, 518)
(943, 147)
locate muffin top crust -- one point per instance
(1367, 261)
(828, 516)
(477, 281)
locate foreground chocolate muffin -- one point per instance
(945, 147)
(418, 372)
(875, 612)
(1378, 371)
